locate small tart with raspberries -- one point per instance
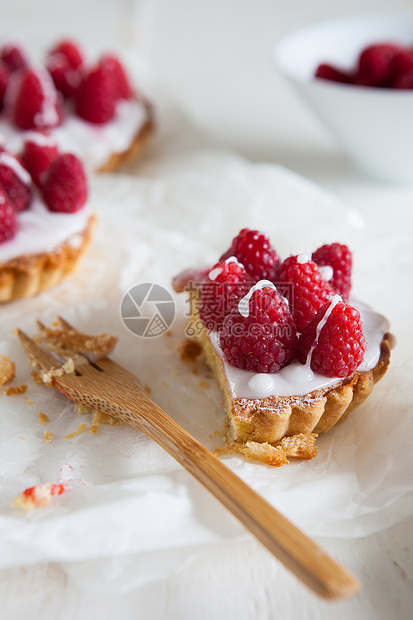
(45, 219)
(292, 352)
(90, 109)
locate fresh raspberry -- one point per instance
(254, 250)
(263, 341)
(71, 51)
(35, 104)
(13, 56)
(123, 88)
(325, 71)
(374, 64)
(340, 346)
(95, 99)
(339, 258)
(4, 80)
(65, 185)
(224, 286)
(15, 181)
(37, 156)
(8, 217)
(402, 69)
(304, 287)
(66, 79)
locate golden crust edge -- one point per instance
(135, 148)
(31, 274)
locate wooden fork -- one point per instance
(110, 388)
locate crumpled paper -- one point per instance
(126, 497)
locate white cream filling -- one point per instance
(94, 144)
(297, 379)
(41, 230)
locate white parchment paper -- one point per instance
(128, 498)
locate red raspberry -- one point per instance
(304, 287)
(8, 217)
(374, 64)
(13, 56)
(339, 257)
(325, 71)
(4, 80)
(66, 79)
(15, 181)
(35, 104)
(96, 97)
(65, 185)
(263, 341)
(402, 69)
(37, 156)
(340, 346)
(71, 51)
(224, 286)
(254, 250)
(123, 88)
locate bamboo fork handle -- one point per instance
(291, 546)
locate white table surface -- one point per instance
(195, 52)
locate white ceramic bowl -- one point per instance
(373, 125)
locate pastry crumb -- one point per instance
(264, 452)
(23, 438)
(165, 385)
(147, 389)
(203, 384)
(43, 419)
(7, 369)
(300, 446)
(48, 436)
(103, 418)
(15, 391)
(81, 409)
(93, 429)
(80, 429)
(189, 350)
(36, 377)
(28, 401)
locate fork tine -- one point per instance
(65, 324)
(41, 326)
(37, 356)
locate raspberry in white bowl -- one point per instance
(292, 352)
(90, 108)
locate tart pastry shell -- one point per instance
(31, 274)
(274, 417)
(136, 147)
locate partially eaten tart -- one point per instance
(292, 353)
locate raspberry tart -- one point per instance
(45, 219)
(89, 109)
(292, 352)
